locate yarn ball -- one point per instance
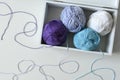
(54, 33)
(101, 22)
(86, 39)
(73, 18)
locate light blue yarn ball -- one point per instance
(73, 18)
(86, 39)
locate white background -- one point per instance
(11, 53)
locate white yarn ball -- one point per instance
(101, 22)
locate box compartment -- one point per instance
(53, 11)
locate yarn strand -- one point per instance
(12, 13)
(92, 71)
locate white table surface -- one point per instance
(11, 53)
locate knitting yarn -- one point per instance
(54, 33)
(73, 18)
(101, 22)
(86, 39)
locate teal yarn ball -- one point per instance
(86, 39)
(73, 18)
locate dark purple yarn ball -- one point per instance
(54, 33)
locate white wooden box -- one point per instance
(53, 10)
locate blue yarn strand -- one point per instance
(92, 71)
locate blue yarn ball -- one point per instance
(86, 39)
(73, 18)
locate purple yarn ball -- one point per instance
(54, 33)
